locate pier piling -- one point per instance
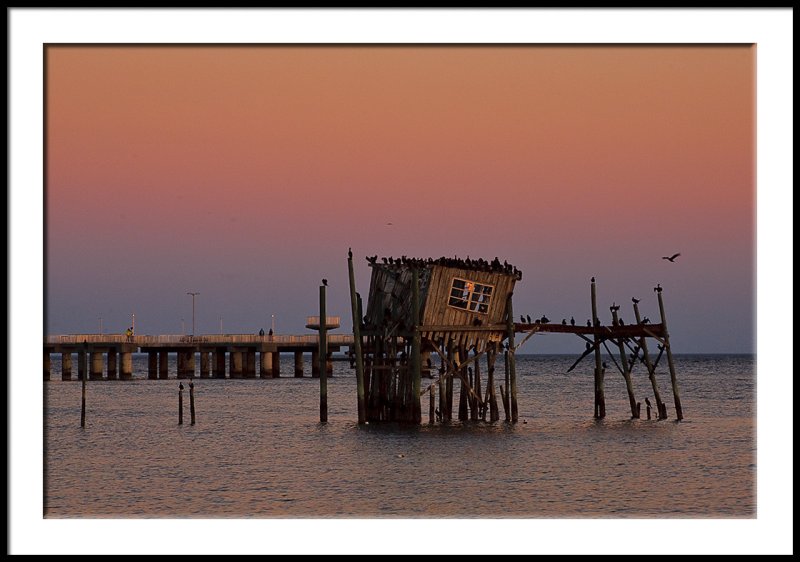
(323, 357)
(191, 401)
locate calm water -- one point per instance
(258, 450)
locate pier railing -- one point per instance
(343, 339)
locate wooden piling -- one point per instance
(66, 366)
(626, 373)
(82, 374)
(599, 390)
(46, 365)
(491, 356)
(163, 364)
(512, 369)
(111, 364)
(432, 406)
(180, 404)
(463, 397)
(298, 363)
(191, 400)
(504, 390)
(357, 343)
(650, 368)
(204, 364)
(152, 365)
(416, 344)
(323, 357)
(670, 362)
(451, 355)
(477, 406)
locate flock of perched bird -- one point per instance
(494, 266)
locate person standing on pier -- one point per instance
(261, 332)
(129, 334)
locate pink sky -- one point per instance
(245, 173)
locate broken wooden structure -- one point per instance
(449, 314)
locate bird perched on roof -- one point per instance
(572, 320)
(589, 323)
(670, 258)
(325, 282)
(563, 321)
(528, 317)
(545, 319)
(521, 318)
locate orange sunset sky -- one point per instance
(245, 173)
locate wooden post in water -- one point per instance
(180, 403)
(83, 386)
(432, 406)
(463, 396)
(476, 414)
(504, 390)
(626, 372)
(670, 362)
(451, 355)
(494, 413)
(191, 400)
(650, 369)
(416, 344)
(357, 342)
(512, 368)
(323, 357)
(599, 390)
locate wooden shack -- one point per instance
(459, 308)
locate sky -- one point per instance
(245, 173)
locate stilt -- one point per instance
(219, 363)
(111, 364)
(46, 365)
(236, 364)
(416, 344)
(265, 365)
(463, 397)
(180, 403)
(670, 362)
(476, 386)
(125, 365)
(276, 364)
(204, 364)
(81, 365)
(599, 384)
(626, 373)
(182, 372)
(314, 363)
(250, 363)
(191, 370)
(298, 363)
(152, 365)
(163, 365)
(512, 369)
(491, 356)
(96, 366)
(357, 343)
(191, 401)
(432, 406)
(66, 366)
(323, 357)
(504, 390)
(650, 368)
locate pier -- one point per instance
(235, 356)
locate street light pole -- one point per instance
(193, 296)
(273, 323)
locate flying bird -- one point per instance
(670, 258)
(325, 282)
(389, 224)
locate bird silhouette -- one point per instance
(563, 321)
(180, 386)
(635, 300)
(592, 279)
(521, 318)
(647, 401)
(349, 252)
(671, 258)
(528, 317)
(572, 320)
(657, 289)
(545, 320)
(325, 282)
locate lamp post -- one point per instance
(193, 296)
(273, 323)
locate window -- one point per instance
(469, 295)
